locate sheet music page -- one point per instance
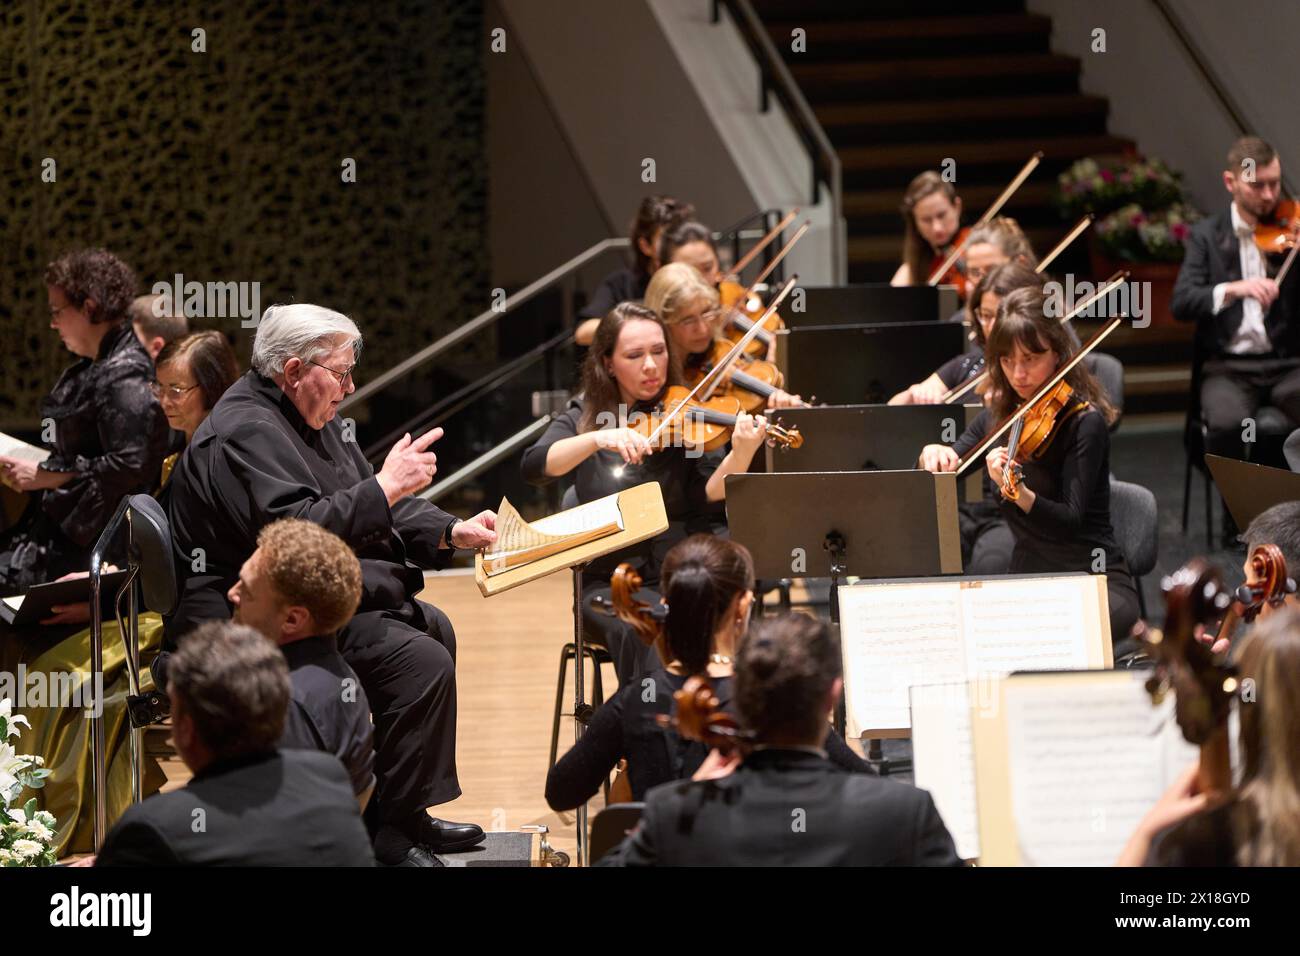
(1026, 625)
(594, 514)
(13, 448)
(894, 636)
(1088, 759)
(943, 761)
(14, 602)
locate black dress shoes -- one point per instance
(443, 836)
(417, 855)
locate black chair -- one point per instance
(1135, 518)
(610, 826)
(1109, 373)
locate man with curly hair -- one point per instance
(108, 431)
(298, 588)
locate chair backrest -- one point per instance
(570, 498)
(151, 549)
(1134, 517)
(610, 826)
(1109, 373)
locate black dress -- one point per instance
(1068, 528)
(622, 285)
(683, 479)
(624, 727)
(111, 433)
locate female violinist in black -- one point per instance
(1061, 518)
(708, 584)
(626, 372)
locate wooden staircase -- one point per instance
(898, 93)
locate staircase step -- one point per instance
(977, 161)
(876, 210)
(810, 10)
(862, 37)
(918, 121)
(928, 78)
(887, 248)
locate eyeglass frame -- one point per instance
(342, 376)
(158, 388)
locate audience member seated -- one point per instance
(1256, 823)
(193, 372)
(298, 588)
(708, 586)
(248, 804)
(108, 432)
(785, 803)
(155, 325)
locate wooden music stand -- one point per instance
(644, 517)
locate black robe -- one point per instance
(254, 460)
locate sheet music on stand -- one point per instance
(900, 633)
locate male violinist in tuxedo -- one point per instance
(1248, 326)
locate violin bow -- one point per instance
(762, 244)
(767, 270)
(979, 450)
(1113, 283)
(1061, 246)
(1286, 266)
(992, 211)
(714, 373)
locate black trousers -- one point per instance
(406, 661)
(1233, 389)
(986, 538)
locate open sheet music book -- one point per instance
(1065, 765)
(899, 633)
(520, 542)
(14, 448)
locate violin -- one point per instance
(682, 419)
(699, 714)
(956, 272)
(700, 717)
(753, 383)
(1279, 231)
(1033, 432)
(1267, 584)
(742, 309)
(1204, 686)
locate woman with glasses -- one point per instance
(193, 372)
(688, 306)
(107, 431)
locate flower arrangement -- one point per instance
(1142, 213)
(26, 834)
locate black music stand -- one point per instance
(1249, 489)
(867, 524)
(856, 364)
(871, 303)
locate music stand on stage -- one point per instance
(871, 303)
(644, 517)
(855, 364)
(866, 524)
(1249, 489)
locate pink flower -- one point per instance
(1107, 175)
(1126, 178)
(1179, 231)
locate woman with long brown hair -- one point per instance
(626, 373)
(708, 585)
(1258, 822)
(1061, 516)
(931, 211)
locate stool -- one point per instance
(597, 655)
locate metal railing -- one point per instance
(775, 78)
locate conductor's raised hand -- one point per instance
(409, 466)
(476, 532)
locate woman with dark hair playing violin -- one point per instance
(931, 211)
(1059, 511)
(626, 374)
(708, 586)
(653, 216)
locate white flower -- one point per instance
(6, 711)
(39, 831)
(7, 857)
(46, 818)
(27, 848)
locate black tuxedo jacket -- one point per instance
(1214, 256)
(284, 808)
(253, 460)
(787, 808)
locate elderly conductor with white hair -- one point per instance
(273, 448)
